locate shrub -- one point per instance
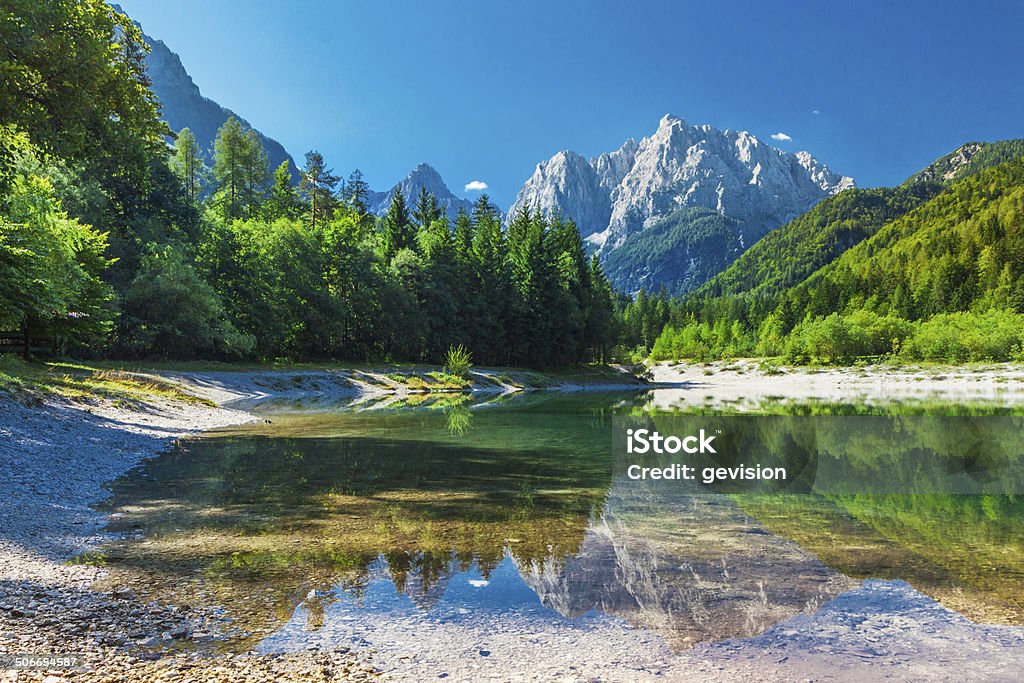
(458, 360)
(995, 335)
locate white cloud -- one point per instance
(815, 112)
(476, 186)
(781, 137)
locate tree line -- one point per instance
(122, 244)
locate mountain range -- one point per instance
(804, 250)
(683, 174)
(426, 177)
(687, 208)
(932, 269)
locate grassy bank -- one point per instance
(142, 380)
(29, 381)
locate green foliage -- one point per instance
(840, 339)
(73, 78)
(427, 209)
(243, 267)
(50, 264)
(966, 336)
(173, 312)
(187, 164)
(664, 254)
(240, 170)
(283, 201)
(399, 230)
(458, 360)
(788, 255)
(874, 272)
(356, 192)
(969, 159)
(318, 185)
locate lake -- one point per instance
(317, 527)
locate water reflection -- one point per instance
(314, 526)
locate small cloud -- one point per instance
(781, 137)
(815, 112)
(476, 186)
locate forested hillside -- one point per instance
(684, 249)
(115, 243)
(931, 269)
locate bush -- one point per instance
(458, 361)
(839, 339)
(995, 335)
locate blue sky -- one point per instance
(484, 91)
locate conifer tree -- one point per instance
(399, 232)
(240, 169)
(426, 210)
(283, 201)
(356, 192)
(187, 164)
(318, 183)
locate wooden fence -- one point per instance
(26, 344)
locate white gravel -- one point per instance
(748, 383)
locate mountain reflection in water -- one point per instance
(308, 527)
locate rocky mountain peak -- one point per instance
(422, 176)
(678, 166)
(570, 183)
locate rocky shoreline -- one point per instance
(57, 456)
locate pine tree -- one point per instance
(257, 173)
(284, 200)
(426, 210)
(240, 169)
(356, 192)
(600, 331)
(483, 210)
(490, 276)
(399, 232)
(463, 235)
(318, 183)
(228, 167)
(187, 164)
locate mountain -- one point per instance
(930, 270)
(792, 253)
(183, 106)
(619, 194)
(654, 557)
(680, 251)
(423, 176)
(963, 249)
(969, 158)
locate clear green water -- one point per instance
(516, 509)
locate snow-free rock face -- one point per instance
(182, 105)
(680, 166)
(424, 176)
(568, 183)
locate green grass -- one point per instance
(75, 381)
